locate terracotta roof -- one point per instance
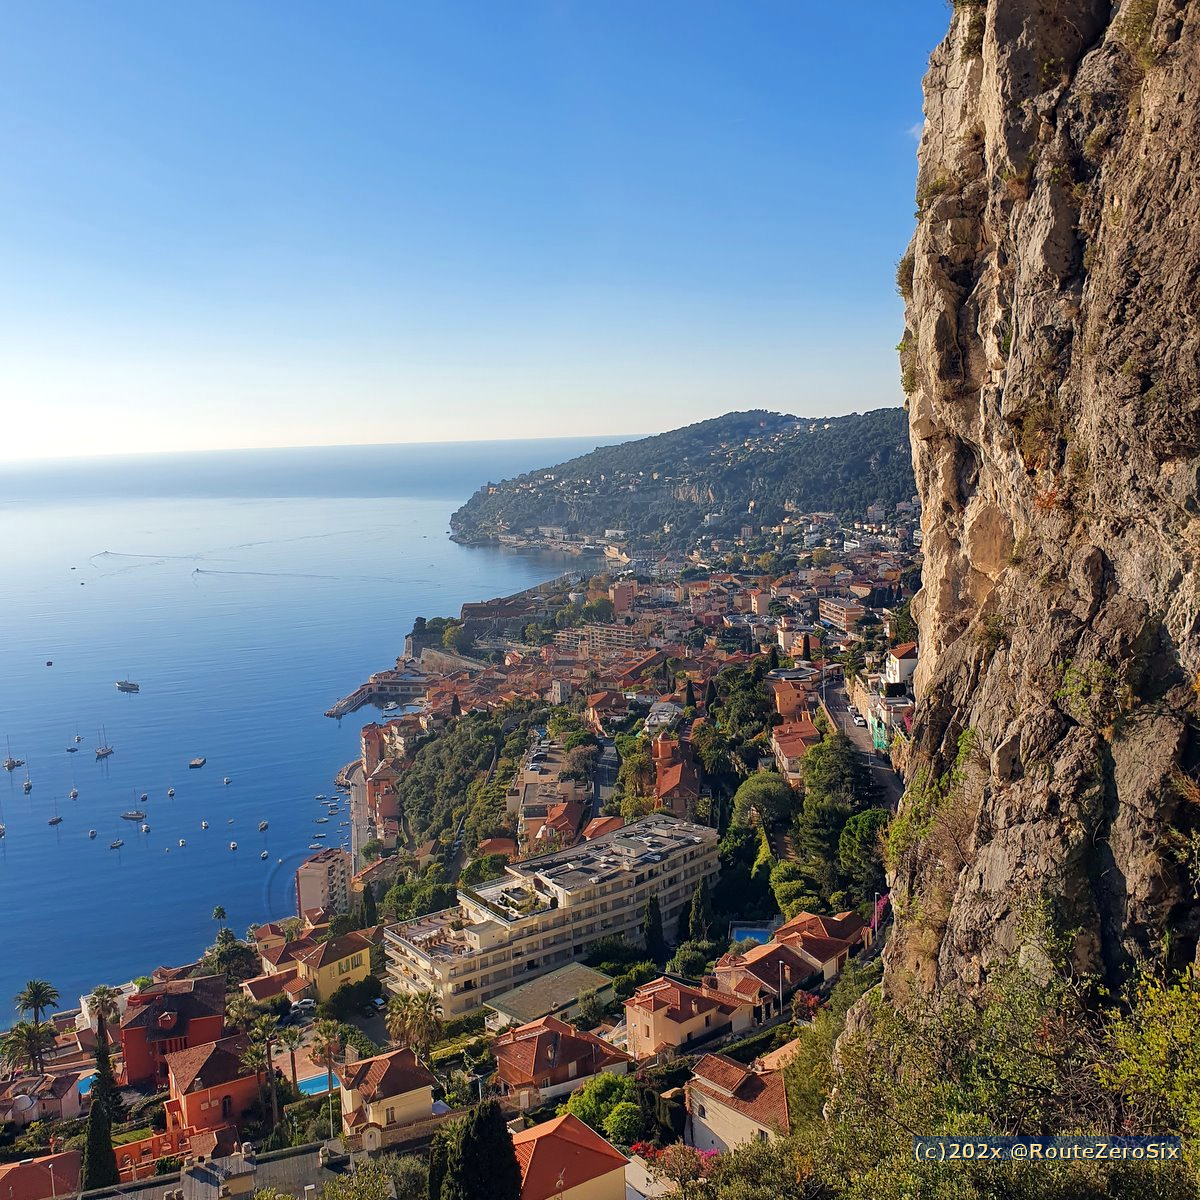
(263, 987)
(847, 925)
(392, 1074)
(336, 949)
(210, 1065)
(562, 1154)
(185, 998)
(819, 949)
(41, 1178)
(775, 1060)
(681, 1002)
(907, 650)
(758, 1095)
(532, 1052)
(601, 825)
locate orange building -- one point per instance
(209, 1086)
(165, 1018)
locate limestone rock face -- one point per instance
(1052, 360)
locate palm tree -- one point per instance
(105, 1003)
(395, 1017)
(254, 1058)
(326, 1046)
(240, 1012)
(263, 1031)
(25, 1043)
(291, 1038)
(36, 996)
(415, 1019)
(219, 915)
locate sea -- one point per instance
(244, 592)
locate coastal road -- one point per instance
(890, 785)
(358, 811)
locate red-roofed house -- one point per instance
(848, 926)
(598, 826)
(666, 1013)
(901, 662)
(790, 743)
(764, 975)
(382, 1095)
(209, 1086)
(566, 1160)
(729, 1104)
(676, 785)
(41, 1178)
(496, 845)
(167, 1017)
(548, 1058)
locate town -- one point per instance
(619, 847)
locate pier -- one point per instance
(405, 686)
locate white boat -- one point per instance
(263, 856)
(144, 797)
(262, 827)
(91, 833)
(182, 843)
(203, 824)
(74, 793)
(319, 835)
(127, 685)
(233, 845)
(134, 814)
(226, 781)
(1, 831)
(27, 786)
(104, 749)
(170, 791)
(316, 846)
(320, 820)
(116, 845)
(145, 828)
(78, 737)
(318, 797)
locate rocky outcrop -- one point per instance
(1052, 361)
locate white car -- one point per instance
(859, 721)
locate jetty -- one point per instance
(405, 685)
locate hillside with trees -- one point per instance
(749, 466)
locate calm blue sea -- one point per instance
(244, 591)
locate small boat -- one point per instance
(316, 846)
(134, 814)
(127, 685)
(318, 797)
(1, 831)
(343, 823)
(74, 793)
(72, 749)
(10, 763)
(203, 824)
(182, 843)
(226, 781)
(27, 786)
(197, 763)
(78, 738)
(104, 749)
(144, 797)
(91, 833)
(262, 827)
(233, 845)
(55, 820)
(145, 828)
(319, 835)
(116, 845)
(263, 856)
(170, 791)
(320, 820)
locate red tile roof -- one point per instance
(758, 1095)
(681, 1002)
(562, 1154)
(393, 1074)
(41, 1178)
(212, 1064)
(601, 825)
(537, 1050)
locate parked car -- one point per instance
(859, 721)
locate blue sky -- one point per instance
(261, 224)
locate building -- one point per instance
(900, 663)
(841, 611)
(666, 1013)
(210, 1088)
(555, 994)
(323, 881)
(382, 1095)
(548, 1058)
(765, 976)
(329, 965)
(622, 594)
(566, 1160)
(29, 1098)
(729, 1105)
(165, 1018)
(41, 1178)
(549, 911)
(790, 743)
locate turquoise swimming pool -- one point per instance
(760, 933)
(314, 1085)
(85, 1084)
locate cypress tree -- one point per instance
(773, 658)
(370, 912)
(700, 916)
(652, 930)
(104, 1086)
(439, 1156)
(710, 695)
(99, 1167)
(689, 695)
(487, 1161)
(455, 706)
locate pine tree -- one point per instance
(99, 1167)
(700, 916)
(652, 931)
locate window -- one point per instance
(389, 1115)
(700, 1111)
(762, 1135)
(356, 961)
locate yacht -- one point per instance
(320, 820)
(197, 763)
(78, 737)
(134, 814)
(27, 786)
(262, 827)
(10, 763)
(182, 843)
(127, 685)
(74, 793)
(233, 845)
(116, 845)
(263, 856)
(226, 781)
(170, 791)
(144, 797)
(55, 820)
(145, 827)
(1, 831)
(203, 824)
(91, 833)
(319, 835)
(318, 797)
(316, 846)
(104, 749)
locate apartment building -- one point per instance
(548, 911)
(323, 881)
(840, 611)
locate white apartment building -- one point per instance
(548, 911)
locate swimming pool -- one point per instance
(85, 1084)
(314, 1085)
(760, 933)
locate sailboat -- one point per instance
(104, 749)
(27, 786)
(10, 763)
(56, 819)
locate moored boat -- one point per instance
(55, 820)
(262, 827)
(74, 793)
(263, 856)
(127, 685)
(170, 791)
(233, 845)
(197, 763)
(134, 814)
(116, 844)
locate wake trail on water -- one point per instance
(307, 575)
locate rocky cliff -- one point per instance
(1052, 361)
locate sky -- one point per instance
(265, 224)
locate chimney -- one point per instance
(351, 1055)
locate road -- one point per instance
(890, 785)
